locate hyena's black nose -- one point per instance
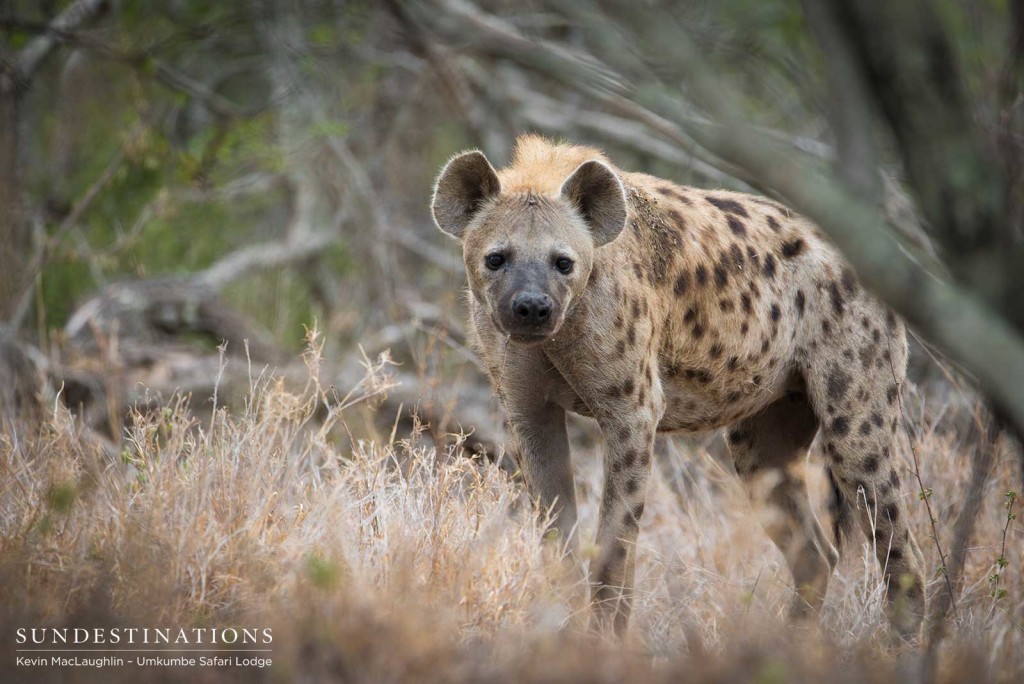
(531, 307)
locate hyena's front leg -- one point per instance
(541, 446)
(523, 378)
(627, 465)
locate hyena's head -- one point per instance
(528, 255)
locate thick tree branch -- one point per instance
(32, 56)
(911, 70)
(850, 108)
(244, 261)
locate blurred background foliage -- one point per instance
(177, 102)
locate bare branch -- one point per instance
(77, 15)
(910, 66)
(243, 261)
(849, 110)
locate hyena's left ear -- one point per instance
(597, 193)
(464, 184)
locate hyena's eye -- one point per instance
(564, 264)
(494, 261)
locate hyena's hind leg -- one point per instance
(857, 394)
(769, 450)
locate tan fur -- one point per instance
(540, 167)
(709, 309)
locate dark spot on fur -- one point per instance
(737, 436)
(792, 248)
(734, 362)
(773, 224)
(690, 316)
(836, 297)
(737, 255)
(746, 303)
(677, 219)
(801, 302)
(701, 274)
(620, 347)
(769, 265)
(871, 464)
(715, 351)
(849, 281)
(720, 276)
(736, 226)
(890, 512)
(632, 518)
(892, 393)
(744, 328)
(837, 384)
(725, 304)
(698, 331)
(631, 334)
(865, 428)
(682, 284)
(728, 206)
(840, 426)
(775, 312)
(628, 386)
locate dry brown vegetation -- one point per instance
(389, 561)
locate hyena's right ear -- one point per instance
(463, 186)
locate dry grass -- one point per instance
(395, 563)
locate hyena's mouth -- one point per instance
(526, 334)
(528, 338)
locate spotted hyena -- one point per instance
(653, 307)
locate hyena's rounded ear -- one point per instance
(464, 184)
(598, 194)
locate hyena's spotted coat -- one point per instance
(658, 308)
